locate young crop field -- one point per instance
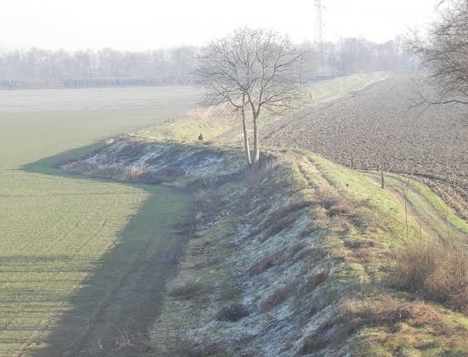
(68, 243)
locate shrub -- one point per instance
(232, 313)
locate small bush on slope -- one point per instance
(436, 271)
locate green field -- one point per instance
(60, 234)
(74, 250)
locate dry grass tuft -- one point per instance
(266, 263)
(342, 207)
(263, 171)
(266, 180)
(232, 313)
(331, 334)
(381, 314)
(186, 292)
(279, 296)
(437, 271)
(410, 323)
(315, 280)
(188, 348)
(282, 218)
(205, 207)
(133, 344)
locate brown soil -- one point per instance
(379, 126)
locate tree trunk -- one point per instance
(256, 142)
(246, 139)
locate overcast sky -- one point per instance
(152, 24)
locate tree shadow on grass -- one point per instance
(50, 165)
(113, 311)
(121, 298)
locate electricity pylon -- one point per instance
(318, 25)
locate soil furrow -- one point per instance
(378, 126)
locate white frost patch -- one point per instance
(209, 163)
(123, 158)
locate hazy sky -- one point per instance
(152, 24)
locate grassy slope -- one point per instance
(216, 124)
(333, 88)
(57, 229)
(308, 250)
(427, 208)
(62, 221)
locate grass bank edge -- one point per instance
(390, 230)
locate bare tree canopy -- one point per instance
(444, 52)
(253, 71)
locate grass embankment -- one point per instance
(430, 211)
(211, 123)
(64, 238)
(218, 124)
(303, 257)
(334, 88)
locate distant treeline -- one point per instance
(107, 67)
(36, 68)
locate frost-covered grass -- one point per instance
(305, 264)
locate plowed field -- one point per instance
(378, 125)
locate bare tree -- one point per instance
(253, 71)
(444, 52)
